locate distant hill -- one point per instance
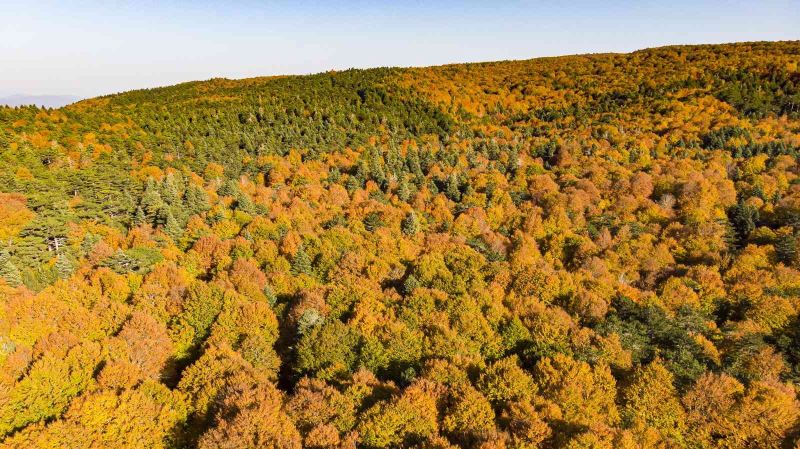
(583, 251)
(45, 101)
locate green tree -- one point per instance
(452, 189)
(151, 202)
(743, 218)
(64, 266)
(301, 264)
(171, 226)
(410, 225)
(8, 270)
(196, 199)
(786, 249)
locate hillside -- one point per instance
(583, 251)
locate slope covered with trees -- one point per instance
(593, 251)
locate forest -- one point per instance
(595, 251)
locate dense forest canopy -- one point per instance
(594, 251)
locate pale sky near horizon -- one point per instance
(88, 48)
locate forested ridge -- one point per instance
(596, 251)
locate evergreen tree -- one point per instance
(269, 293)
(196, 200)
(353, 184)
(786, 249)
(413, 163)
(139, 216)
(64, 267)
(410, 225)
(404, 190)
(8, 270)
(151, 202)
(88, 243)
(334, 175)
(373, 221)
(308, 320)
(394, 162)
(743, 218)
(433, 187)
(302, 262)
(513, 163)
(376, 165)
(244, 203)
(452, 189)
(171, 226)
(170, 191)
(228, 188)
(410, 284)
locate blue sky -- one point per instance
(89, 48)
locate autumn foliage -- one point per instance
(593, 251)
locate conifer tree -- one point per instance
(8, 270)
(413, 163)
(373, 221)
(410, 284)
(196, 199)
(404, 190)
(151, 202)
(170, 192)
(452, 188)
(269, 293)
(244, 203)
(786, 249)
(139, 216)
(743, 218)
(64, 266)
(411, 225)
(301, 264)
(228, 188)
(171, 226)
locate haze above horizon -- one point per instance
(89, 48)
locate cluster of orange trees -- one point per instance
(581, 252)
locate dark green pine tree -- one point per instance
(171, 226)
(196, 200)
(513, 163)
(88, 243)
(302, 262)
(452, 189)
(228, 188)
(743, 218)
(269, 293)
(394, 161)
(373, 221)
(433, 187)
(376, 166)
(404, 190)
(413, 163)
(64, 266)
(410, 284)
(353, 184)
(151, 202)
(786, 249)
(8, 270)
(170, 190)
(244, 203)
(410, 225)
(139, 217)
